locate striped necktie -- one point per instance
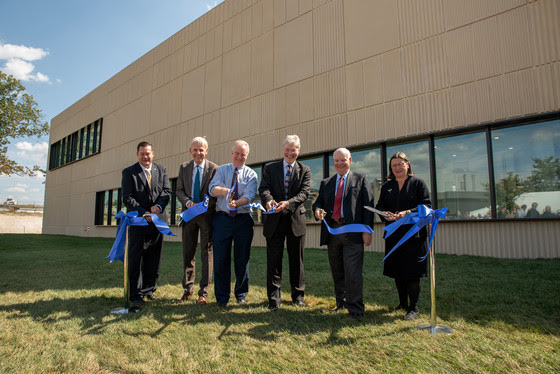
(287, 179)
(149, 178)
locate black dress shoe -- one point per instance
(300, 303)
(357, 317)
(137, 302)
(337, 308)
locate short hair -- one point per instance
(143, 144)
(293, 140)
(199, 140)
(345, 151)
(242, 143)
(400, 155)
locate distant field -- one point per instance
(21, 222)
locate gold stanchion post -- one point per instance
(433, 327)
(127, 308)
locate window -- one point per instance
(462, 176)
(419, 157)
(257, 213)
(527, 170)
(316, 165)
(80, 144)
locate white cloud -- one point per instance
(209, 6)
(34, 152)
(16, 189)
(17, 62)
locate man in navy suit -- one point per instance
(285, 186)
(192, 184)
(341, 201)
(145, 189)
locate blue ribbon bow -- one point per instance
(132, 219)
(419, 219)
(352, 227)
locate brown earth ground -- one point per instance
(21, 223)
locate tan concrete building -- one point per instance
(469, 89)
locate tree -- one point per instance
(19, 117)
(545, 175)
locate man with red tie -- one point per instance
(341, 201)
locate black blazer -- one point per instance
(357, 194)
(136, 193)
(185, 180)
(272, 188)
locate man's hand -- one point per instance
(190, 204)
(281, 206)
(155, 209)
(320, 214)
(366, 237)
(270, 204)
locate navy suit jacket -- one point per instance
(137, 195)
(272, 188)
(357, 193)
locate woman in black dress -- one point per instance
(401, 195)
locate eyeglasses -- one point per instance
(399, 165)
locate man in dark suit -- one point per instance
(341, 201)
(192, 184)
(145, 189)
(285, 185)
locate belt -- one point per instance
(227, 214)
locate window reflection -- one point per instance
(114, 206)
(316, 166)
(462, 176)
(527, 170)
(257, 213)
(419, 158)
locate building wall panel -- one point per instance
(328, 37)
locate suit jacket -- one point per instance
(272, 188)
(137, 195)
(185, 181)
(357, 194)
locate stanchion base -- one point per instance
(438, 329)
(125, 310)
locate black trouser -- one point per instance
(144, 258)
(409, 292)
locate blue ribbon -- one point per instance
(352, 227)
(253, 205)
(418, 219)
(196, 210)
(132, 219)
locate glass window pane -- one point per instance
(257, 213)
(316, 166)
(419, 158)
(106, 208)
(114, 206)
(527, 170)
(462, 176)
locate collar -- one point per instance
(202, 164)
(144, 168)
(284, 163)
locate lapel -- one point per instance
(189, 171)
(205, 175)
(142, 175)
(331, 190)
(348, 184)
(155, 176)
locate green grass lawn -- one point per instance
(57, 293)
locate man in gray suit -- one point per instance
(192, 185)
(285, 185)
(341, 201)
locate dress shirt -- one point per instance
(246, 185)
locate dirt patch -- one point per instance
(21, 223)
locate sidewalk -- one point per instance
(21, 223)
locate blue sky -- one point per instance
(63, 49)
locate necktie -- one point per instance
(196, 191)
(287, 181)
(338, 200)
(235, 192)
(149, 178)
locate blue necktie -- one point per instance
(196, 192)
